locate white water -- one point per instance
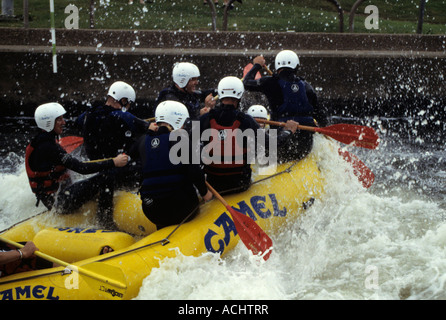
(387, 242)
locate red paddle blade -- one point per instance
(360, 136)
(249, 67)
(70, 143)
(254, 238)
(364, 174)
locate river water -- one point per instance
(387, 242)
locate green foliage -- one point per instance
(395, 16)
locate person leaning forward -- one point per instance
(231, 172)
(111, 129)
(47, 165)
(168, 187)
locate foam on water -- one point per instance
(17, 202)
(351, 244)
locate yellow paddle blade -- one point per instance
(106, 280)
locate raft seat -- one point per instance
(75, 244)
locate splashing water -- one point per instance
(352, 244)
(387, 242)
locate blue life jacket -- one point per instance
(159, 174)
(295, 104)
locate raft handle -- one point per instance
(67, 271)
(165, 241)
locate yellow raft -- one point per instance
(138, 247)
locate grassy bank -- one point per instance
(395, 16)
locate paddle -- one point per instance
(359, 136)
(254, 238)
(246, 70)
(249, 66)
(95, 274)
(98, 160)
(268, 70)
(70, 143)
(360, 170)
(105, 159)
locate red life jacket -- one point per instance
(44, 181)
(223, 145)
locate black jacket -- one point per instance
(192, 101)
(48, 154)
(108, 131)
(269, 85)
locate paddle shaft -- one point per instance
(282, 124)
(81, 270)
(98, 160)
(217, 195)
(360, 136)
(37, 253)
(268, 70)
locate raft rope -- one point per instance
(166, 240)
(287, 170)
(24, 220)
(163, 242)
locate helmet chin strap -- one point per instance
(165, 124)
(123, 107)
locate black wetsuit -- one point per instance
(108, 132)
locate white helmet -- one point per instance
(230, 87)
(287, 59)
(258, 111)
(172, 112)
(46, 114)
(120, 89)
(183, 72)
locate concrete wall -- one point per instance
(349, 71)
